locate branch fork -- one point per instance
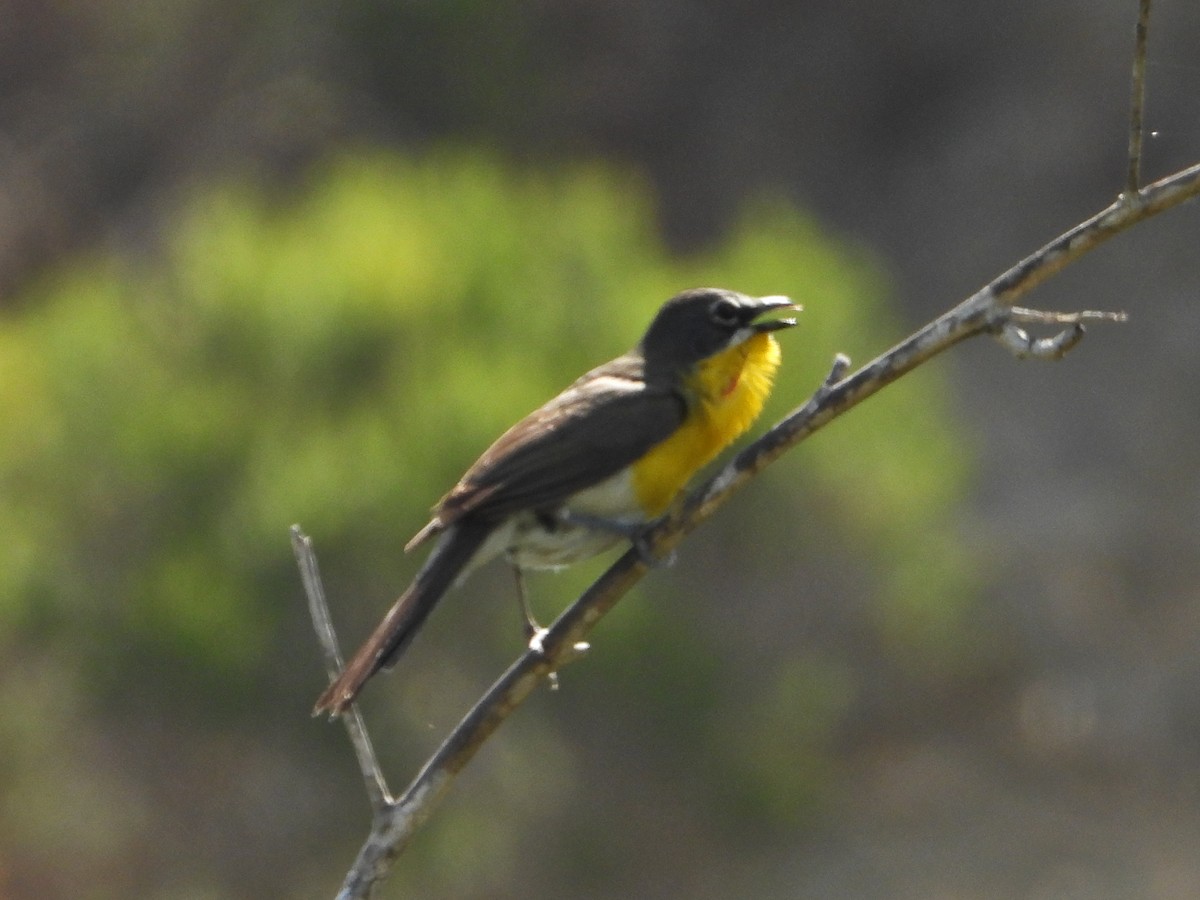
(1022, 345)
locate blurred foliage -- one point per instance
(337, 357)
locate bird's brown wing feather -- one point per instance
(602, 423)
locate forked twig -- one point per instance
(318, 608)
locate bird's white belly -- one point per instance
(549, 541)
(536, 547)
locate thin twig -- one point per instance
(318, 608)
(1133, 178)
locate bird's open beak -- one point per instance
(770, 304)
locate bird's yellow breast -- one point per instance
(727, 394)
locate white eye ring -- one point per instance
(724, 312)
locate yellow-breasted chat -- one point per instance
(595, 464)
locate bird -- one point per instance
(594, 465)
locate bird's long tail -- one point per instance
(381, 650)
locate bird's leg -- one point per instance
(533, 631)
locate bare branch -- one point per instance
(318, 608)
(1133, 178)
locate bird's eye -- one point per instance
(724, 312)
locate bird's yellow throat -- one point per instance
(727, 393)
